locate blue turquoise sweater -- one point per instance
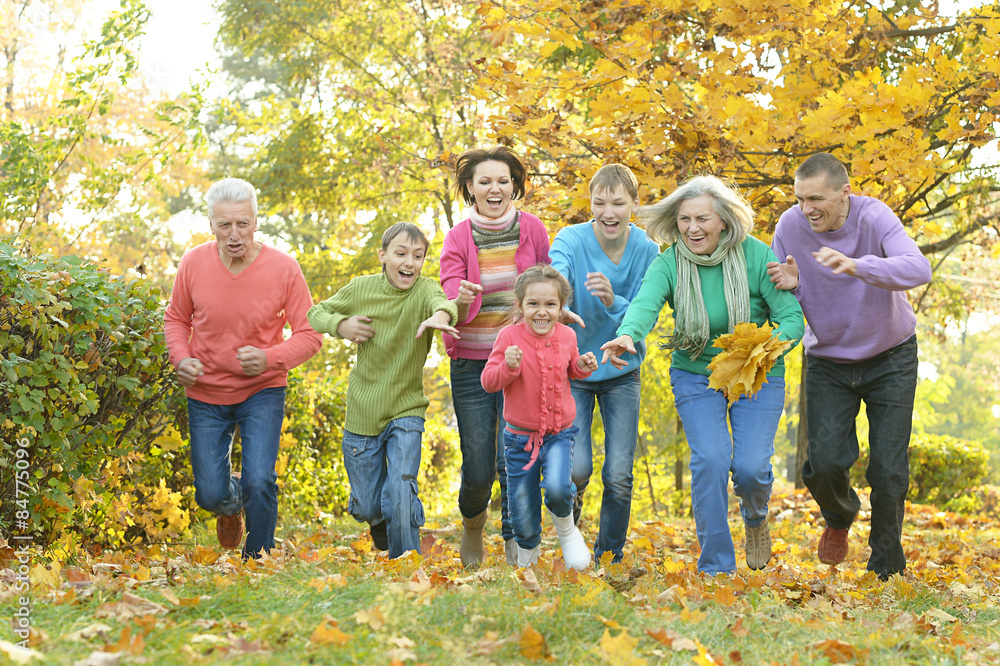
(576, 252)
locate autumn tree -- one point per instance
(342, 113)
(901, 94)
(90, 159)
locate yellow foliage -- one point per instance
(749, 352)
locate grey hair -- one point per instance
(230, 190)
(732, 207)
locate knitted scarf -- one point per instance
(691, 326)
(497, 224)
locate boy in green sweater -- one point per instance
(386, 316)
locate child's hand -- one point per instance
(616, 348)
(513, 357)
(440, 320)
(356, 329)
(587, 362)
(599, 285)
(467, 292)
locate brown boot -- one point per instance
(229, 529)
(471, 548)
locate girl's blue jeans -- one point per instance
(551, 473)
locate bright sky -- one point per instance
(178, 45)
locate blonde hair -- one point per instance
(731, 206)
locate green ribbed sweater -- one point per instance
(386, 381)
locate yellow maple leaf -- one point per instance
(533, 645)
(748, 353)
(620, 649)
(328, 633)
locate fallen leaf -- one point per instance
(419, 583)
(529, 581)
(620, 649)
(19, 655)
(372, 617)
(532, 644)
(96, 630)
(839, 652)
(130, 606)
(328, 632)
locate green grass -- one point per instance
(429, 610)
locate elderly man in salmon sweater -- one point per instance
(231, 300)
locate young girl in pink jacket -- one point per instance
(532, 363)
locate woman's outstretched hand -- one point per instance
(615, 349)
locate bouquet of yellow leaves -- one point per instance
(748, 353)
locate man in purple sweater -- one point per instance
(849, 262)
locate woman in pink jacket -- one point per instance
(481, 259)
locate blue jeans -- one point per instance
(383, 472)
(834, 391)
(212, 429)
(550, 472)
(480, 430)
(618, 400)
(707, 420)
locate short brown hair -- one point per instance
(612, 176)
(824, 164)
(415, 233)
(465, 169)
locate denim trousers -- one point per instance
(480, 431)
(834, 392)
(212, 429)
(551, 472)
(382, 470)
(707, 419)
(618, 400)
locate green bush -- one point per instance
(944, 470)
(87, 441)
(311, 463)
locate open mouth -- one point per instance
(405, 276)
(494, 202)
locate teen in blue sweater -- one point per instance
(605, 260)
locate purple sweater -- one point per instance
(851, 319)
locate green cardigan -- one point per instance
(386, 381)
(766, 304)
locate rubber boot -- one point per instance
(574, 549)
(526, 558)
(471, 548)
(510, 552)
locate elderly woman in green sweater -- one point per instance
(714, 276)
(386, 315)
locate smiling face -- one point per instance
(491, 187)
(402, 260)
(541, 306)
(825, 207)
(233, 224)
(698, 225)
(612, 212)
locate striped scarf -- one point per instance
(691, 325)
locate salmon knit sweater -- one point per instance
(213, 312)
